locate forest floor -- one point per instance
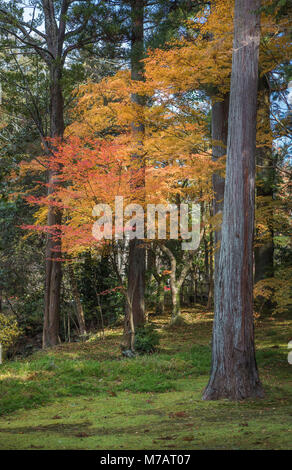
(86, 396)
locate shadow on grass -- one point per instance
(65, 429)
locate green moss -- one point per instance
(86, 396)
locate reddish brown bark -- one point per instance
(135, 307)
(234, 372)
(53, 243)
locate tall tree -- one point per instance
(234, 372)
(53, 42)
(160, 18)
(135, 309)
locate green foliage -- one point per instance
(146, 339)
(279, 8)
(96, 283)
(9, 331)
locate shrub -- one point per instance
(146, 339)
(9, 331)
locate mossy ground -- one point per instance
(86, 396)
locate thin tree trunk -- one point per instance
(175, 296)
(76, 296)
(155, 267)
(101, 315)
(264, 263)
(264, 254)
(195, 285)
(176, 281)
(211, 283)
(206, 249)
(159, 308)
(206, 259)
(69, 329)
(234, 372)
(135, 309)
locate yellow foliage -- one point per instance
(9, 331)
(277, 289)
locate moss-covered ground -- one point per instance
(87, 396)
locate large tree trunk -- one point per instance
(219, 138)
(53, 243)
(135, 308)
(234, 372)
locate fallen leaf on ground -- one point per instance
(178, 414)
(82, 434)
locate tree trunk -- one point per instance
(53, 243)
(51, 51)
(159, 308)
(175, 296)
(264, 264)
(176, 281)
(76, 296)
(211, 283)
(53, 281)
(206, 260)
(206, 248)
(264, 254)
(234, 372)
(195, 285)
(136, 273)
(219, 136)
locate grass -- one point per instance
(87, 396)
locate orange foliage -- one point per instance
(94, 163)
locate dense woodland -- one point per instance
(160, 102)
